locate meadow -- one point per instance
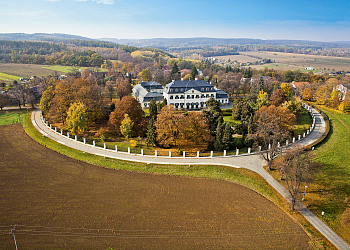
(291, 61)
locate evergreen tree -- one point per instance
(218, 140)
(194, 72)
(151, 133)
(227, 139)
(153, 109)
(161, 105)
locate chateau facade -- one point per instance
(188, 94)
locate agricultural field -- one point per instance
(291, 61)
(58, 202)
(26, 70)
(8, 78)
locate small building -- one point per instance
(309, 68)
(144, 92)
(342, 89)
(297, 86)
(192, 94)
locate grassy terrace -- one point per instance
(240, 176)
(332, 188)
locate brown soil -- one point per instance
(61, 203)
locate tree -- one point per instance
(3, 101)
(194, 72)
(295, 106)
(151, 133)
(167, 126)
(262, 100)
(227, 138)
(128, 105)
(123, 88)
(278, 97)
(307, 94)
(175, 72)
(126, 127)
(77, 120)
(194, 130)
(213, 114)
(286, 88)
(145, 75)
(288, 76)
(271, 128)
(161, 105)
(153, 109)
(218, 139)
(298, 169)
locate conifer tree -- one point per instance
(151, 133)
(227, 139)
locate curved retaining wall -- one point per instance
(286, 143)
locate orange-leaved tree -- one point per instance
(128, 105)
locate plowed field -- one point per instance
(61, 203)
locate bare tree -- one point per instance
(268, 135)
(298, 168)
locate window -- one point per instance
(171, 90)
(202, 96)
(202, 89)
(188, 97)
(197, 96)
(207, 95)
(182, 97)
(212, 95)
(207, 89)
(176, 97)
(176, 90)
(192, 96)
(171, 97)
(182, 90)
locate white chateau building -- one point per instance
(188, 94)
(144, 92)
(192, 94)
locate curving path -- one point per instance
(252, 162)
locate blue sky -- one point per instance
(264, 19)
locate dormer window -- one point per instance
(182, 90)
(176, 90)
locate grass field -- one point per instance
(8, 78)
(51, 196)
(26, 70)
(331, 189)
(10, 117)
(290, 61)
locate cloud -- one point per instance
(104, 1)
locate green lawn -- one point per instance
(333, 186)
(304, 122)
(9, 118)
(8, 78)
(67, 69)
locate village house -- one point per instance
(297, 86)
(342, 89)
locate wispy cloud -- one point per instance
(104, 1)
(97, 1)
(28, 13)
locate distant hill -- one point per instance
(165, 43)
(39, 37)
